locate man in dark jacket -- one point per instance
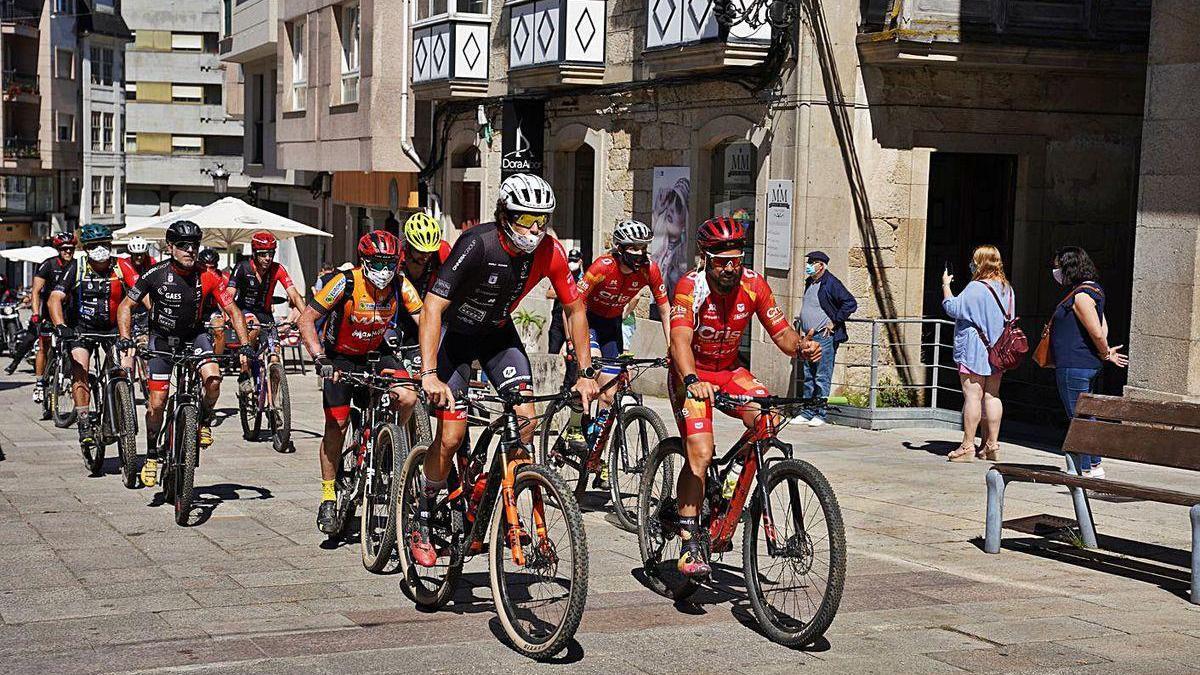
(827, 305)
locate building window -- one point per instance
(64, 64)
(351, 33)
(130, 141)
(109, 193)
(227, 10)
(187, 42)
(104, 6)
(431, 8)
(107, 131)
(95, 130)
(64, 6)
(254, 101)
(187, 145)
(299, 65)
(102, 66)
(131, 91)
(97, 188)
(66, 127)
(187, 93)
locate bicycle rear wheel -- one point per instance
(540, 603)
(658, 521)
(124, 415)
(377, 524)
(419, 431)
(248, 414)
(63, 404)
(185, 449)
(94, 456)
(348, 478)
(279, 409)
(428, 587)
(635, 434)
(562, 446)
(795, 590)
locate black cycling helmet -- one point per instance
(182, 231)
(208, 257)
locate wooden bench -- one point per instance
(1147, 432)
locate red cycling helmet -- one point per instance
(378, 243)
(64, 239)
(720, 234)
(263, 241)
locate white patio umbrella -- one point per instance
(225, 223)
(29, 254)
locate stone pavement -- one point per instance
(97, 578)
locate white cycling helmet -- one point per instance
(527, 193)
(632, 233)
(137, 245)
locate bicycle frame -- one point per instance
(105, 366)
(622, 384)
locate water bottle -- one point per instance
(731, 479)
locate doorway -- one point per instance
(972, 201)
(583, 212)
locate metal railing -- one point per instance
(21, 148)
(19, 83)
(22, 12)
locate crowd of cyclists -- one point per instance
(452, 304)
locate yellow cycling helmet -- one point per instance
(423, 232)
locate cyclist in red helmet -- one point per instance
(253, 283)
(47, 276)
(358, 306)
(709, 315)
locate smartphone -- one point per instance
(949, 268)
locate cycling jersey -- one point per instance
(606, 289)
(130, 273)
(426, 278)
(177, 296)
(484, 279)
(720, 320)
(92, 296)
(50, 271)
(252, 292)
(359, 314)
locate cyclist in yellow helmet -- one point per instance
(423, 251)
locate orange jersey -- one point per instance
(359, 313)
(606, 289)
(719, 321)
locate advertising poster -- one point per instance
(669, 220)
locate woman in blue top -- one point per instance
(981, 307)
(1079, 336)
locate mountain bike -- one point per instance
(375, 449)
(270, 400)
(538, 549)
(419, 430)
(794, 544)
(568, 448)
(111, 406)
(180, 433)
(58, 403)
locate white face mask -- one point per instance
(526, 243)
(1058, 275)
(99, 254)
(380, 278)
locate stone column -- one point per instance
(1165, 328)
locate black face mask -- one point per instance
(634, 261)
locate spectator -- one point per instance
(325, 274)
(1079, 336)
(558, 334)
(979, 314)
(827, 304)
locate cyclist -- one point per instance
(710, 314)
(44, 280)
(253, 283)
(424, 252)
(130, 269)
(86, 299)
(609, 284)
(174, 291)
(467, 317)
(359, 306)
(210, 259)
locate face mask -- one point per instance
(971, 268)
(1058, 276)
(526, 242)
(573, 266)
(810, 269)
(380, 277)
(634, 261)
(99, 254)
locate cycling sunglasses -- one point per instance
(726, 259)
(188, 246)
(388, 263)
(531, 219)
(269, 253)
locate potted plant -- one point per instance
(529, 324)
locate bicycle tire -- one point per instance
(796, 633)
(47, 378)
(428, 587)
(377, 540)
(10, 339)
(556, 453)
(61, 391)
(186, 450)
(125, 415)
(279, 412)
(420, 431)
(661, 575)
(519, 638)
(248, 413)
(347, 478)
(625, 511)
(95, 459)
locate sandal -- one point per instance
(989, 452)
(964, 453)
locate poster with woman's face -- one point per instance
(669, 220)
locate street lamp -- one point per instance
(220, 178)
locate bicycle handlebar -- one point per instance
(724, 399)
(384, 379)
(626, 361)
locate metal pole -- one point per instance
(874, 364)
(937, 355)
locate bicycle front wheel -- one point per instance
(62, 403)
(94, 455)
(124, 414)
(637, 432)
(185, 449)
(279, 409)
(658, 521)
(541, 601)
(349, 478)
(248, 414)
(562, 446)
(428, 587)
(377, 524)
(795, 583)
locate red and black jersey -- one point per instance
(129, 272)
(177, 296)
(423, 281)
(92, 296)
(252, 292)
(50, 272)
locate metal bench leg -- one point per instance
(1083, 510)
(1196, 555)
(995, 511)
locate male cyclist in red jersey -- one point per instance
(467, 317)
(253, 283)
(609, 284)
(711, 312)
(359, 306)
(44, 280)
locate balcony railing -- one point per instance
(556, 42)
(685, 36)
(451, 56)
(20, 13)
(16, 84)
(21, 148)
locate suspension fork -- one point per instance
(764, 496)
(508, 492)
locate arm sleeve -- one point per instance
(560, 276)
(66, 283)
(465, 258)
(43, 270)
(331, 294)
(683, 314)
(769, 312)
(283, 278)
(658, 288)
(212, 284)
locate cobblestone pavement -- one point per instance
(97, 578)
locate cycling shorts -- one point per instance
(336, 397)
(160, 368)
(88, 346)
(695, 417)
(500, 353)
(605, 335)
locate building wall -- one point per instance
(105, 164)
